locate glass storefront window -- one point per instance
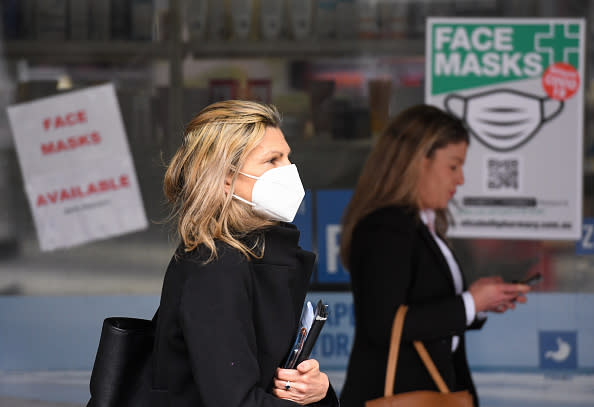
(336, 77)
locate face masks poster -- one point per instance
(518, 85)
(76, 165)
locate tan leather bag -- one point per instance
(420, 398)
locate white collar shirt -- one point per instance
(428, 218)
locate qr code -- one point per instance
(503, 174)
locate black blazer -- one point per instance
(225, 326)
(394, 260)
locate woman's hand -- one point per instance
(304, 385)
(495, 295)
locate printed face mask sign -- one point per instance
(503, 119)
(77, 168)
(517, 85)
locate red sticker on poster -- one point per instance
(561, 81)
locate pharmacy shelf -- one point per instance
(309, 48)
(143, 52)
(131, 52)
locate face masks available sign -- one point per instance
(517, 84)
(77, 168)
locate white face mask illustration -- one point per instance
(503, 119)
(277, 193)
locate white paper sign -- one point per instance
(518, 85)
(76, 164)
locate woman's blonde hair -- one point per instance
(215, 145)
(391, 173)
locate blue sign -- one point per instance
(558, 349)
(304, 222)
(330, 207)
(586, 243)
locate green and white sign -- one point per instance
(518, 85)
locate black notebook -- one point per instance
(310, 324)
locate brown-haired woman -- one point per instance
(234, 290)
(394, 246)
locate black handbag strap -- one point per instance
(393, 356)
(153, 361)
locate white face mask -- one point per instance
(277, 193)
(503, 119)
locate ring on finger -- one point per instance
(288, 385)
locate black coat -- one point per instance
(225, 326)
(394, 260)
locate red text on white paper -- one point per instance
(82, 191)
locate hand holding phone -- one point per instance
(531, 280)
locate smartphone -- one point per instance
(531, 281)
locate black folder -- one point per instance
(307, 334)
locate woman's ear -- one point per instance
(228, 182)
(229, 178)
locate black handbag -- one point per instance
(122, 374)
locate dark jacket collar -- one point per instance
(281, 243)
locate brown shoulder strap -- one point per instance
(393, 356)
(441, 385)
(394, 349)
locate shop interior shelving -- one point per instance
(66, 52)
(121, 51)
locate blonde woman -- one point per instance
(394, 245)
(233, 291)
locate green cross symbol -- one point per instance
(561, 43)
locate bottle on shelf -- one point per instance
(195, 14)
(300, 14)
(217, 20)
(241, 18)
(346, 19)
(271, 18)
(325, 19)
(368, 19)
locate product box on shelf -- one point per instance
(142, 14)
(195, 19)
(100, 20)
(50, 19)
(78, 20)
